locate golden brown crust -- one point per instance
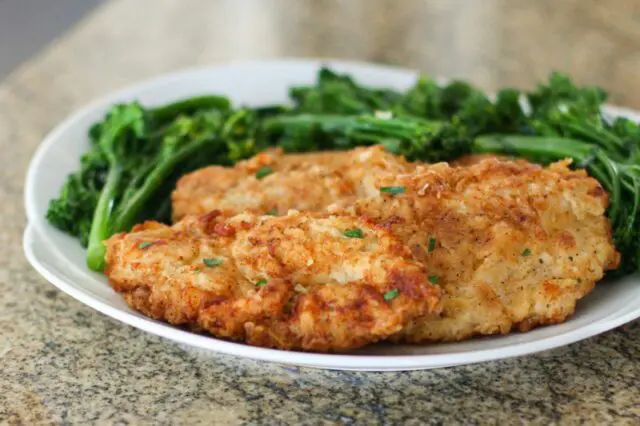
(473, 159)
(323, 290)
(516, 244)
(307, 182)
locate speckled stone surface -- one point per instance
(63, 363)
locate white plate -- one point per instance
(60, 259)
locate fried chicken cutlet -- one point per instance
(301, 281)
(513, 245)
(272, 182)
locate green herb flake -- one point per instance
(432, 244)
(261, 283)
(393, 190)
(434, 279)
(272, 212)
(144, 245)
(526, 252)
(265, 171)
(354, 233)
(211, 262)
(391, 294)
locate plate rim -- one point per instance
(37, 227)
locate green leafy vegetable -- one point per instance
(261, 283)
(413, 137)
(186, 137)
(137, 154)
(340, 94)
(119, 143)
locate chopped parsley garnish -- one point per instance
(391, 294)
(432, 244)
(526, 252)
(265, 171)
(393, 190)
(354, 233)
(210, 262)
(261, 283)
(144, 245)
(434, 279)
(272, 212)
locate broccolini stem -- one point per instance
(555, 148)
(356, 125)
(614, 187)
(607, 140)
(283, 122)
(189, 106)
(132, 207)
(100, 224)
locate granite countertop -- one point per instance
(63, 363)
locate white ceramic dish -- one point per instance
(60, 259)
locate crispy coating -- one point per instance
(513, 245)
(290, 282)
(308, 182)
(473, 159)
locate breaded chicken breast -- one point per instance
(301, 281)
(512, 245)
(273, 182)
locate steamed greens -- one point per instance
(137, 153)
